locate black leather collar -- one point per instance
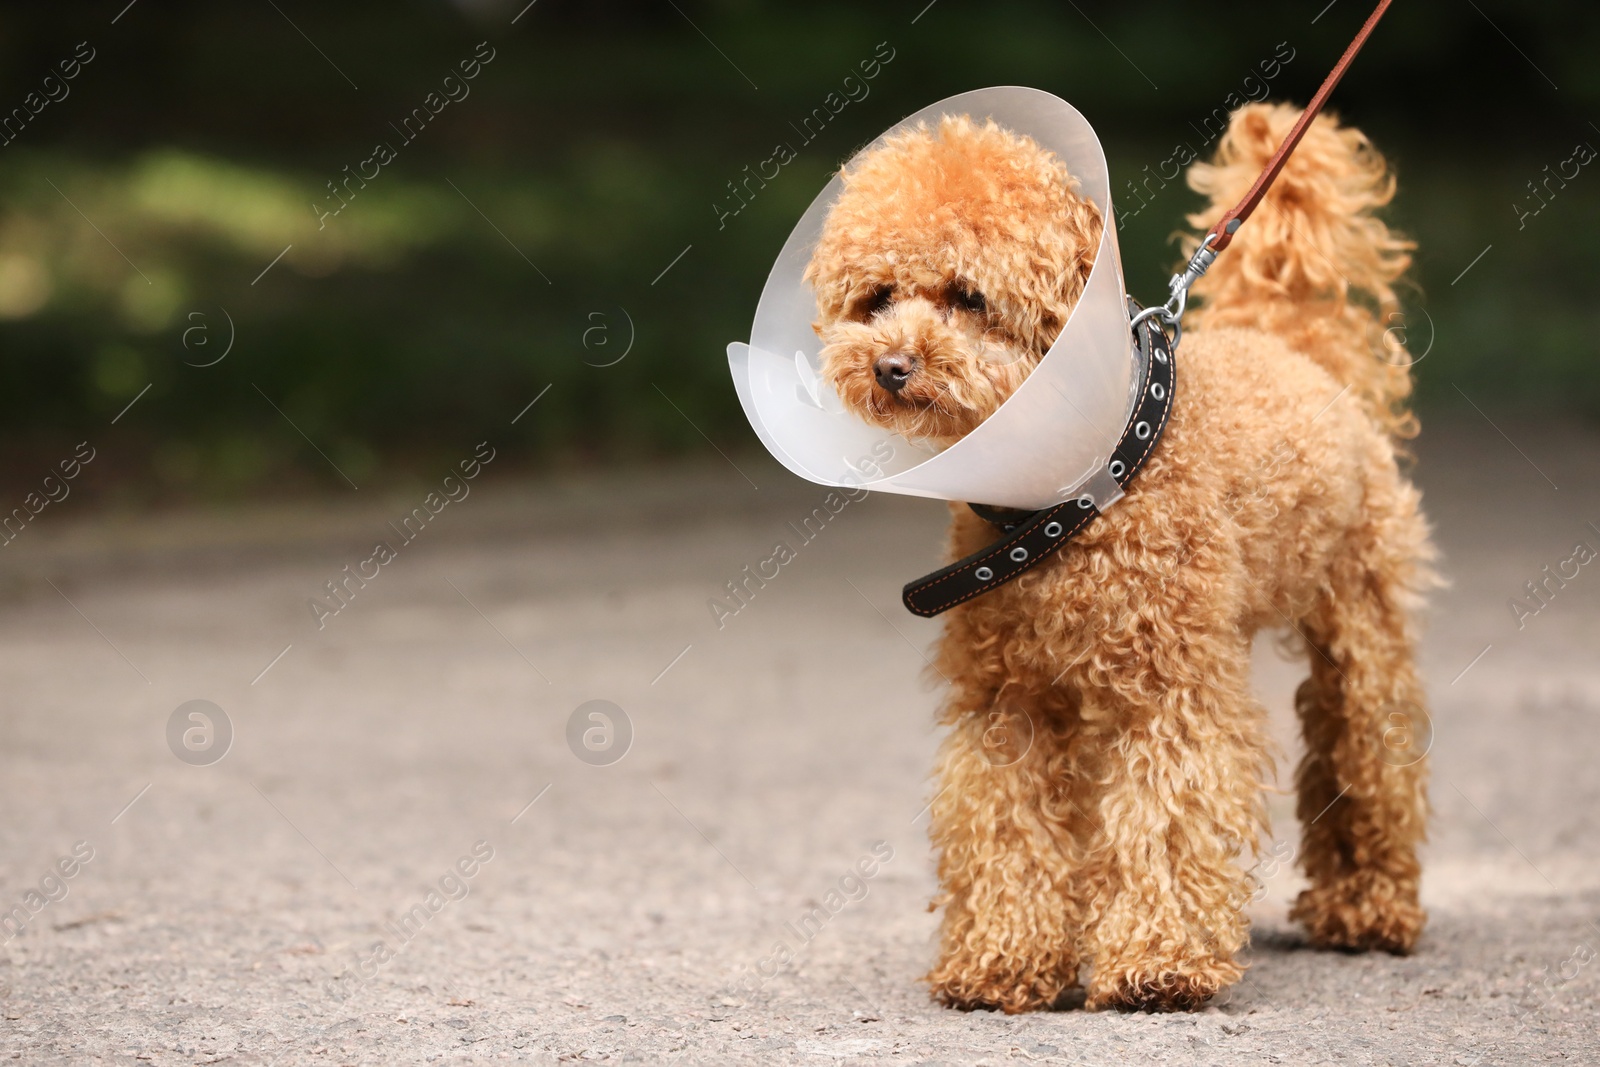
(1030, 537)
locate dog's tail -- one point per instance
(1313, 264)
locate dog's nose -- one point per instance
(892, 370)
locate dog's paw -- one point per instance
(1169, 990)
(1000, 989)
(1363, 912)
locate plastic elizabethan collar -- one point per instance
(1049, 440)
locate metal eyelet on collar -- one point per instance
(1117, 468)
(1019, 554)
(983, 574)
(1142, 431)
(1158, 390)
(1052, 529)
(1086, 502)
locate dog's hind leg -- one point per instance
(1362, 801)
(1002, 828)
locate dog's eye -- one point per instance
(959, 296)
(880, 298)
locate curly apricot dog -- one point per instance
(1102, 779)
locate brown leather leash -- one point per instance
(1030, 537)
(1221, 235)
(1231, 219)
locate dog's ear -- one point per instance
(824, 276)
(1050, 289)
(1054, 229)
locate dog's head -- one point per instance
(945, 270)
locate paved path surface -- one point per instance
(229, 912)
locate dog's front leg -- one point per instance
(1182, 758)
(1010, 931)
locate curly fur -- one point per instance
(1100, 787)
(931, 217)
(1313, 265)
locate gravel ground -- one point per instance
(228, 911)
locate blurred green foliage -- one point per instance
(533, 220)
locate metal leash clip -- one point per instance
(1171, 313)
